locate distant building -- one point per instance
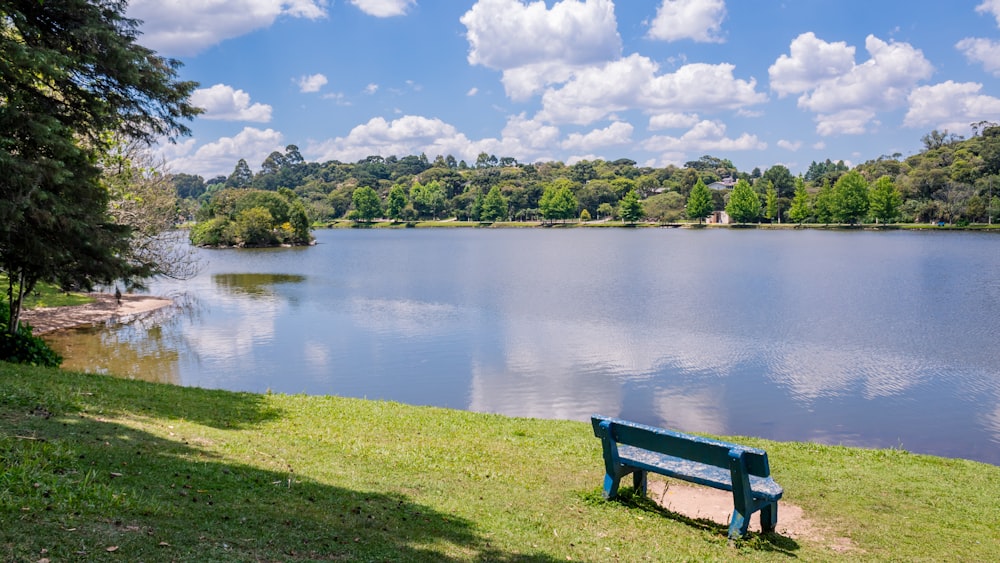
(723, 184)
(718, 218)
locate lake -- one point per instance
(878, 339)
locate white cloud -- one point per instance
(371, 88)
(618, 133)
(409, 134)
(845, 95)
(950, 105)
(706, 136)
(472, 92)
(225, 103)
(312, 83)
(180, 27)
(990, 7)
(811, 62)
(530, 135)
(534, 46)
(700, 20)
(220, 157)
(670, 120)
(633, 83)
(384, 8)
(790, 145)
(982, 51)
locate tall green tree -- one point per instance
(771, 210)
(367, 205)
(630, 208)
(395, 203)
(799, 211)
(884, 200)
(241, 177)
(70, 73)
(850, 197)
(558, 202)
(825, 206)
(699, 203)
(494, 207)
(744, 204)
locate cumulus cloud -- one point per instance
(983, 51)
(633, 83)
(384, 8)
(811, 62)
(670, 120)
(312, 83)
(789, 145)
(220, 157)
(225, 103)
(990, 7)
(180, 27)
(700, 20)
(409, 134)
(618, 133)
(705, 137)
(950, 105)
(534, 45)
(845, 95)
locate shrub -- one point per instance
(22, 347)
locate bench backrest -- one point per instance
(679, 444)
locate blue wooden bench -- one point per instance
(638, 449)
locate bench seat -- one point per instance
(694, 472)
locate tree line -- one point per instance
(950, 180)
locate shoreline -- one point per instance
(103, 309)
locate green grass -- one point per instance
(48, 295)
(162, 473)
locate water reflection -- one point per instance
(851, 338)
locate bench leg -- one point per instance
(769, 517)
(639, 481)
(611, 486)
(738, 525)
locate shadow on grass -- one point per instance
(77, 486)
(771, 542)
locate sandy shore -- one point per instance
(103, 309)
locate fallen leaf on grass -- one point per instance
(111, 549)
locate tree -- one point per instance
(799, 211)
(850, 197)
(885, 200)
(367, 205)
(557, 201)
(71, 73)
(494, 206)
(699, 203)
(630, 208)
(824, 206)
(771, 210)
(428, 200)
(744, 204)
(142, 197)
(241, 177)
(781, 179)
(395, 203)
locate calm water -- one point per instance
(856, 338)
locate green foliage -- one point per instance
(850, 198)
(367, 205)
(21, 347)
(885, 200)
(494, 206)
(699, 203)
(800, 211)
(558, 202)
(585, 215)
(395, 203)
(630, 208)
(744, 204)
(667, 207)
(771, 201)
(429, 201)
(824, 206)
(248, 217)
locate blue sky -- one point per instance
(759, 82)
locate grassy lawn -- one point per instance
(48, 295)
(99, 468)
